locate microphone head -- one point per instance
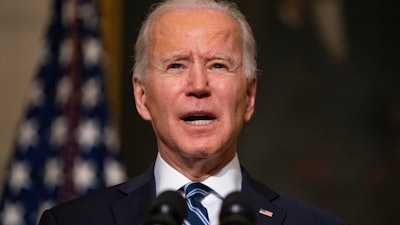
(237, 209)
(168, 209)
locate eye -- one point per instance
(175, 66)
(218, 66)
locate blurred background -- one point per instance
(327, 124)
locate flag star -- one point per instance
(111, 138)
(84, 175)
(28, 134)
(88, 134)
(19, 176)
(67, 50)
(68, 12)
(58, 131)
(63, 90)
(91, 93)
(36, 96)
(12, 214)
(52, 173)
(113, 172)
(45, 52)
(92, 51)
(88, 14)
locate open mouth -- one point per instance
(198, 119)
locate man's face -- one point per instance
(195, 94)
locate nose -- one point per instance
(198, 83)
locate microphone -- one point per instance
(168, 209)
(237, 209)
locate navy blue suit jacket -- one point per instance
(127, 204)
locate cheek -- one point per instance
(233, 100)
(161, 96)
(235, 94)
(156, 102)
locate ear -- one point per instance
(251, 99)
(139, 92)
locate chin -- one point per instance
(197, 154)
(201, 153)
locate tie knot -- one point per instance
(196, 190)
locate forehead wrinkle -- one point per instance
(225, 37)
(220, 50)
(227, 32)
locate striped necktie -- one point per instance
(196, 212)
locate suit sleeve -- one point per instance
(47, 218)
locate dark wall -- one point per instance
(324, 131)
(138, 143)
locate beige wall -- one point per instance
(22, 24)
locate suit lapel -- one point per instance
(138, 194)
(266, 211)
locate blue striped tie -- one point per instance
(196, 212)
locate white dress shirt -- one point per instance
(225, 181)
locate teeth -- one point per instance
(199, 122)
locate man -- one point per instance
(195, 81)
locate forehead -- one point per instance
(185, 22)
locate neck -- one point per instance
(197, 168)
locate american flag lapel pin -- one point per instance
(265, 212)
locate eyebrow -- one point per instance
(229, 59)
(178, 57)
(175, 58)
(225, 57)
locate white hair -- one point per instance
(249, 62)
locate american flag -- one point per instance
(65, 145)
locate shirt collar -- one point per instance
(225, 181)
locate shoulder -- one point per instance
(94, 206)
(95, 199)
(299, 212)
(99, 206)
(286, 209)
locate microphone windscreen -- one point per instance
(237, 209)
(168, 209)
